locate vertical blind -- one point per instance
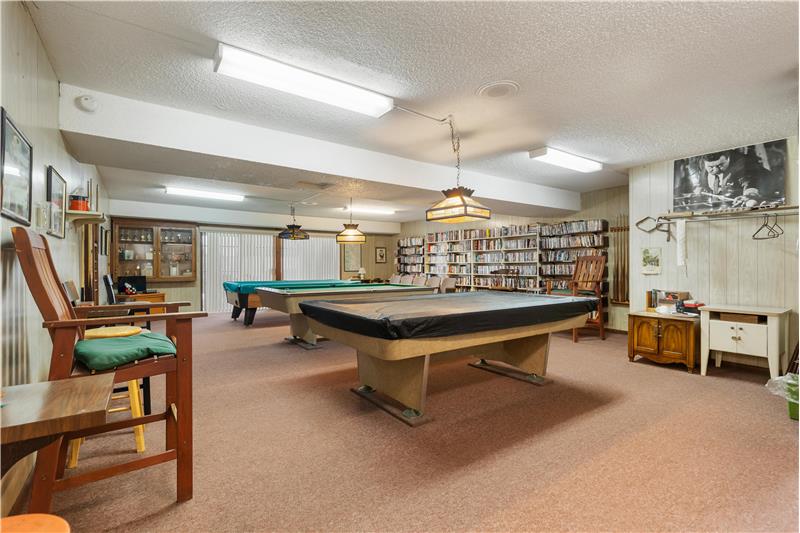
(315, 258)
(233, 256)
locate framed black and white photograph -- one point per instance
(745, 177)
(380, 254)
(16, 172)
(352, 257)
(56, 202)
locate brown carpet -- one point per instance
(282, 445)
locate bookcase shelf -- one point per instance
(569, 240)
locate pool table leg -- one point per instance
(249, 315)
(236, 312)
(301, 331)
(528, 354)
(403, 380)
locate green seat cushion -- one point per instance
(104, 354)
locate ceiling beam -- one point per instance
(130, 120)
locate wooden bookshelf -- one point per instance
(560, 244)
(410, 255)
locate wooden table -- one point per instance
(36, 414)
(145, 297)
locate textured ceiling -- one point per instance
(623, 83)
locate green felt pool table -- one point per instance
(242, 294)
(287, 299)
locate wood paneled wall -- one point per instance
(724, 265)
(374, 270)
(30, 95)
(607, 204)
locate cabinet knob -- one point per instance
(732, 327)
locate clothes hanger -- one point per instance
(771, 233)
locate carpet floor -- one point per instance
(281, 444)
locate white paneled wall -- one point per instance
(30, 96)
(724, 265)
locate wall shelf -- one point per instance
(79, 218)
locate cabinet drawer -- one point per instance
(753, 339)
(722, 335)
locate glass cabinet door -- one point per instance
(135, 254)
(176, 253)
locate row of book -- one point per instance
(458, 269)
(565, 269)
(410, 250)
(572, 226)
(521, 257)
(516, 244)
(572, 241)
(437, 248)
(487, 244)
(411, 241)
(405, 268)
(437, 269)
(568, 256)
(483, 233)
(489, 257)
(410, 259)
(458, 258)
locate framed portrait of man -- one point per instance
(740, 178)
(56, 201)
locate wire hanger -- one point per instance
(773, 231)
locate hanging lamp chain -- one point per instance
(455, 140)
(351, 209)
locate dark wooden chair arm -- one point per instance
(133, 305)
(110, 321)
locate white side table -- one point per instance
(741, 329)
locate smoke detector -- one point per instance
(498, 89)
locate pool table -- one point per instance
(242, 294)
(395, 339)
(288, 300)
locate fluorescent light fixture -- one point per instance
(205, 194)
(563, 159)
(247, 66)
(369, 210)
(11, 171)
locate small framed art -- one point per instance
(16, 171)
(56, 202)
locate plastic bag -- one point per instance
(784, 386)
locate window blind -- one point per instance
(315, 258)
(233, 256)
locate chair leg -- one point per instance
(136, 412)
(146, 395)
(43, 478)
(74, 452)
(574, 334)
(184, 408)
(62, 458)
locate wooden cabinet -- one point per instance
(663, 339)
(160, 251)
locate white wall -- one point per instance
(30, 96)
(724, 264)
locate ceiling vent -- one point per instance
(498, 89)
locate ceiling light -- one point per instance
(351, 234)
(261, 70)
(369, 210)
(205, 194)
(563, 159)
(293, 231)
(458, 205)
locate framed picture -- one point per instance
(16, 172)
(651, 261)
(56, 201)
(352, 257)
(101, 240)
(740, 178)
(380, 254)
(107, 240)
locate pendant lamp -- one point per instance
(458, 204)
(293, 231)
(351, 234)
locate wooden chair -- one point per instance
(395, 279)
(434, 282)
(420, 280)
(66, 324)
(447, 284)
(587, 280)
(406, 279)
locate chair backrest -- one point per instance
(406, 279)
(111, 295)
(447, 284)
(72, 292)
(40, 273)
(395, 279)
(433, 281)
(420, 280)
(589, 271)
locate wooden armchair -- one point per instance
(587, 280)
(66, 325)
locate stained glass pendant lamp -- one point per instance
(293, 231)
(351, 234)
(458, 204)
